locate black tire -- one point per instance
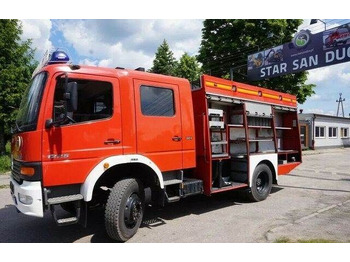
(124, 209)
(261, 183)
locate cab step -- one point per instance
(64, 199)
(67, 221)
(76, 201)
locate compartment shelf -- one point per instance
(261, 140)
(230, 187)
(235, 125)
(218, 143)
(260, 127)
(263, 152)
(238, 156)
(225, 156)
(283, 128)
(281, 151)
(253, 140)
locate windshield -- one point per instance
(29, 109)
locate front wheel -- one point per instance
(124, 209)
(261, 183)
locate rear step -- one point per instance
(75, 200)
(186, 188)
(173, 199)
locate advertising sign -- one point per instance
(306, 51)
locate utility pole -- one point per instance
(340, 101)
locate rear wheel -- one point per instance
(124, 209)
(261, 183)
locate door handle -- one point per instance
(112, 142)
(177, 138)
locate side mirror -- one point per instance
(63, 110)
(60, 116)
(71, 96)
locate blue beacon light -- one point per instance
(58, 57)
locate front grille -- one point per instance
(16, 171)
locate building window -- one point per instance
(320, 131)
(157, 101)
(344, 132)
(332, 132)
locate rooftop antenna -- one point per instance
(340, 101)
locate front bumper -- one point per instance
(29, 189)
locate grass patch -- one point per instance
(313, 240)
(5, 160)
(4, 186)
(283, 240)
(5, 164)
(317, 240)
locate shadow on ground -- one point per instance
(18, 228)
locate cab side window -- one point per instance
(157, 101)
(95, 100)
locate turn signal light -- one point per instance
(27, 171)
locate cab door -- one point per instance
(158, 123)
(71, 150)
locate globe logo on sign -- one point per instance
(301, 39)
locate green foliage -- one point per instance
(226, 43)
(16, 67)
(5, 163)
(5, 160)
(189, 68)
(164, 62)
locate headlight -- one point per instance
(24, 199)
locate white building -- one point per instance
(322, 131)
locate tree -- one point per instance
(189, 68)
(16, 67)
(164, 62)
(226, 43)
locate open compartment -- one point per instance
(287, 136)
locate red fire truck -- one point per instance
(88, 136)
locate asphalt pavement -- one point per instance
(313, 202)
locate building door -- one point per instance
(304, 135)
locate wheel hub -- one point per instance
(133, 210)
(258, 182)
(261, 182)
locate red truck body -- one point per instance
(148, 134)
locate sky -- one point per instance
(132, 43)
